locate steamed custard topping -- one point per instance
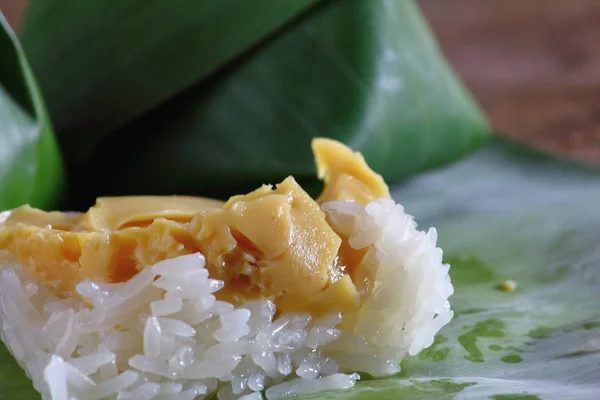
(346, 174)
(273, 243)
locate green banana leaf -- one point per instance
(30, 164)
(502, 213)
(368, 73)
(509, 213)
(101, 64)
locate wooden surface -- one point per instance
(534, 65)
(13, 11)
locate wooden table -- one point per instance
(533, 64)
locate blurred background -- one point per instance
(532, 64)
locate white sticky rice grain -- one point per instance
(92, 363)
(299, 386)
(252, 396)
(161, 308)
(162, 335)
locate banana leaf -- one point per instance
(144, 104)
(502, 213)
(31, 168)
(120, 59)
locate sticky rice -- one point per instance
(163, 335)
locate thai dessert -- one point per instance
(272, 294)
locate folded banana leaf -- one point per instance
(101, 64)
(168, 98)
(31, 168)
(502, 213)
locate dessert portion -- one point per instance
(271, 293)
